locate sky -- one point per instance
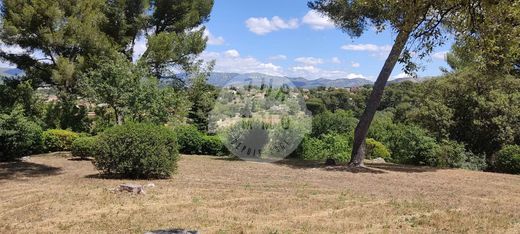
(287, 38)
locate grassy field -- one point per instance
(50, 193)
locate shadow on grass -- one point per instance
(80, 159)
(401, 168)
(370, 167)
(11, 170)
(301, 164)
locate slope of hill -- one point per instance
(4, 71)
(221, 79)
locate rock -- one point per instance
(378, 160)
(172, 231)
(133, 188)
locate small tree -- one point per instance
(420, 26)
(113, 83)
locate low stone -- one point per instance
(378, 160)
(172, 231)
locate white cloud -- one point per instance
(399, 76)
(212, 39)
(317, 21)
(139, 48)
(380, 51)
(239, 64)
(356, 76)
(356, 64)
(305, 69)
(335, 60)
(367, 47)
(247, 64)
(313, 72)
(278, 57)
(440, 55)
(263, 25)
(232, 54)
(309, 60)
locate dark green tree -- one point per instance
(420, 27)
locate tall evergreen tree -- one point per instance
(421, 25)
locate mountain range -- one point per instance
(220, 79)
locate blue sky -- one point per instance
(285, 38)
(244, 37)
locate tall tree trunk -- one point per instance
(358, 149)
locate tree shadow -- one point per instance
(172, 231)
(401, 168)
(80, 159)
(12, 170)
(301, 164)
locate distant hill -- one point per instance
(10, 71)
(220, 79)
(411, 79)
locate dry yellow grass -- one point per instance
(52, 194)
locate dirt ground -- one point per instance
(55, 194)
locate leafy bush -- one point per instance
(84, 147)
(212, 145)
(410, 144)
(340, 121)
(190, 139)
(508, 160)
(329, 146)
(137, 150)
(376, 149)
(18, 136)
(58, 140)
(451, 154)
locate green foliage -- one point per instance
(132, 94)
(137, 150)
(14, 92)
(451, 154)
(340, 121)
(190, 139)
(84, 147)
(58, 140)
(19, 136)
(410, 144)
(508, 160)
(159, 105)
(212, 145)
(329, 146)
(315, 106)
(202, 96)
(376, 149)
(65, 114)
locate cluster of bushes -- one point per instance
(508, 160)
(19, 136)
(137, 150)
(192, 141)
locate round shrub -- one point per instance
(376, 149)
(137, 150)
(508, 160)
(190, 139)
(212, 145)
(329, 146)
(58, 140)
(340, 121)
(84, 147)
(451, 154)
(410, 144)
(18, 136)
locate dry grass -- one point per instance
(50, 194)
